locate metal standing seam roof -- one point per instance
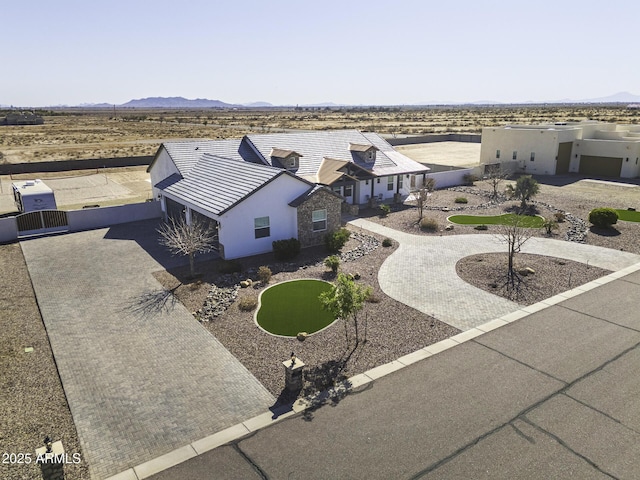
(217, 184)
(315, 146)
(187, 154)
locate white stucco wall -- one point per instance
(161, 169)
(237, 233)
(542, 142)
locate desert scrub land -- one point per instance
(33, 403)
(102, 133)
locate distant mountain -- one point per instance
(96, 105)
(620, 97)
(176, 102)
(258, 104)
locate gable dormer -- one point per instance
(366, 152)
(288, 159)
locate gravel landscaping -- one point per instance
(392, 328)
(33, 403)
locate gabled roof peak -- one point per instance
(361, 147)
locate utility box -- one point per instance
(33, 195)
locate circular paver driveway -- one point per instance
(421, 273)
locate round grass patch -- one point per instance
(527, 221)
(289, 308)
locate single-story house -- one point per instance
(589, 147)
(270, 187)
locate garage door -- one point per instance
(564, 157)
(600, 166)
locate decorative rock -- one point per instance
(449, 227)
(302, 336)
(356, 276)
(244, 284)
(530, 270)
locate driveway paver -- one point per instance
(141, 375)
(421, 272)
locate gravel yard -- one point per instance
(393, 329)
(32, 402)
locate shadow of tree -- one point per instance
(152, 302)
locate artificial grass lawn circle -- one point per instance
(289, 308)
(527, 221)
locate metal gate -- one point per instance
(42, 221)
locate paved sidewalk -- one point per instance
(421, 272)
(141, 377)
(551, 395)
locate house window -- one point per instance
(400, 182)
(348, 190)
(389, 183)
(291, 162)
(497, 153)
(515, 155)
(319, 219)
(261, 227)
(371, 156)
(533, 156)
(378, 180)
(337, 190)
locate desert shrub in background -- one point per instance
(332, 262)
(264, 274)
(336, 240)
(246, 304)
(559, 216)
(603, 217)
(387, 242)
(429, 224)
(286, 249)
(385, 210)
(229, 266)
(461, 200)
(481, 227)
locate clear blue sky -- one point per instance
(300, 52)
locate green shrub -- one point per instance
(385, 209)
(229, 266)
(286, 249)
(461, 200)
(336, 240)
(264, 274)
(470, 178)
(387, 242)
(332, 262)
(429, 224)
(481, 227)
(559, 216)
(603, 217)
(246, 304)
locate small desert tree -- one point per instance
(495, 175)
(526, 188)
(188, 239)
(344, 300)
(515, 236)
(422, 195)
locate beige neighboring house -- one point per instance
(591, 148)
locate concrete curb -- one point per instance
(266, 419)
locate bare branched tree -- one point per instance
(422, 195)
(495, 175)
(515, 235)
(188, 239)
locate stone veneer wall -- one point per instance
(319, 200)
